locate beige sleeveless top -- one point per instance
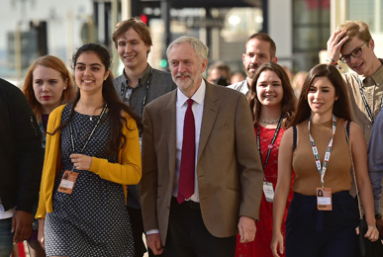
(307, 177)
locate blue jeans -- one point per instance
(6, 237)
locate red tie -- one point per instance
(187, 167)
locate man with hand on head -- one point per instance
(138, 85)
(260, 48)
(353, 44)
(202, 176)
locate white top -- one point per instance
(6, 214)
(197, 108)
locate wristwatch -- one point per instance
(378, 216)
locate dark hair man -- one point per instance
(260, 48)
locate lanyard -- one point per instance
(129, 90)
(270, 146)
(365, 102)
(91, 134)
(322, 168)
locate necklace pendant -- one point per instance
(270, 121)
(91, 118)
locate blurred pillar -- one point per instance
(338, 13)
(165, 16)
(18, 60)
(265, 11)
(115, 59)
(126, 9)
(70, 47)
(208, 16)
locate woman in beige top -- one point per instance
(323, 215)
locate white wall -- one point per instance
(63, 31)
(280, 29)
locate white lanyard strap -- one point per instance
(368, 109)
(322, 168)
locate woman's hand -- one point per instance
(372, 233)
(276, 240)
(40, 233)
(81, 161)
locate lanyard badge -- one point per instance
(324, 199)
(270, 146)
(268, 189)
(324, 196)
(69, 178)
(368, 109)
(67, 182)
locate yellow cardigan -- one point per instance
(126, 172)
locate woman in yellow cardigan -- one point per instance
(92, 152)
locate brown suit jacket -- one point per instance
(228, 166)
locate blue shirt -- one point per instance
(375, 159)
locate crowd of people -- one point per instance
(243, 169)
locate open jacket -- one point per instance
(126, 171)
(21, 156)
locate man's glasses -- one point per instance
(356, 53)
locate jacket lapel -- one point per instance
(168, 116)
(210, 112)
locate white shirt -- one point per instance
(197, 108)
(6, 214)
(241, 86)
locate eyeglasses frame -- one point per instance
(348, 56)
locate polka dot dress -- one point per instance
(93, 220)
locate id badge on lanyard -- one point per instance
(69, 177)
(324, 199)
(268, 191)
(67, 182)
(323, 194)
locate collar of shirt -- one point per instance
(142, 79)
(375, 79)
(198, 97)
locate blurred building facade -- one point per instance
(300, 28)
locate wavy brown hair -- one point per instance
(55, 63)
(115, 105)
(288, 101)
(341, 107)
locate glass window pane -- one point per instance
(363, 11)
(305, 11)
(306, 38)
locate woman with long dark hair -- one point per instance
(323, 216)
(272, 102)
(92, 152)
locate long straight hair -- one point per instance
(115, 105)
(341, 107)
